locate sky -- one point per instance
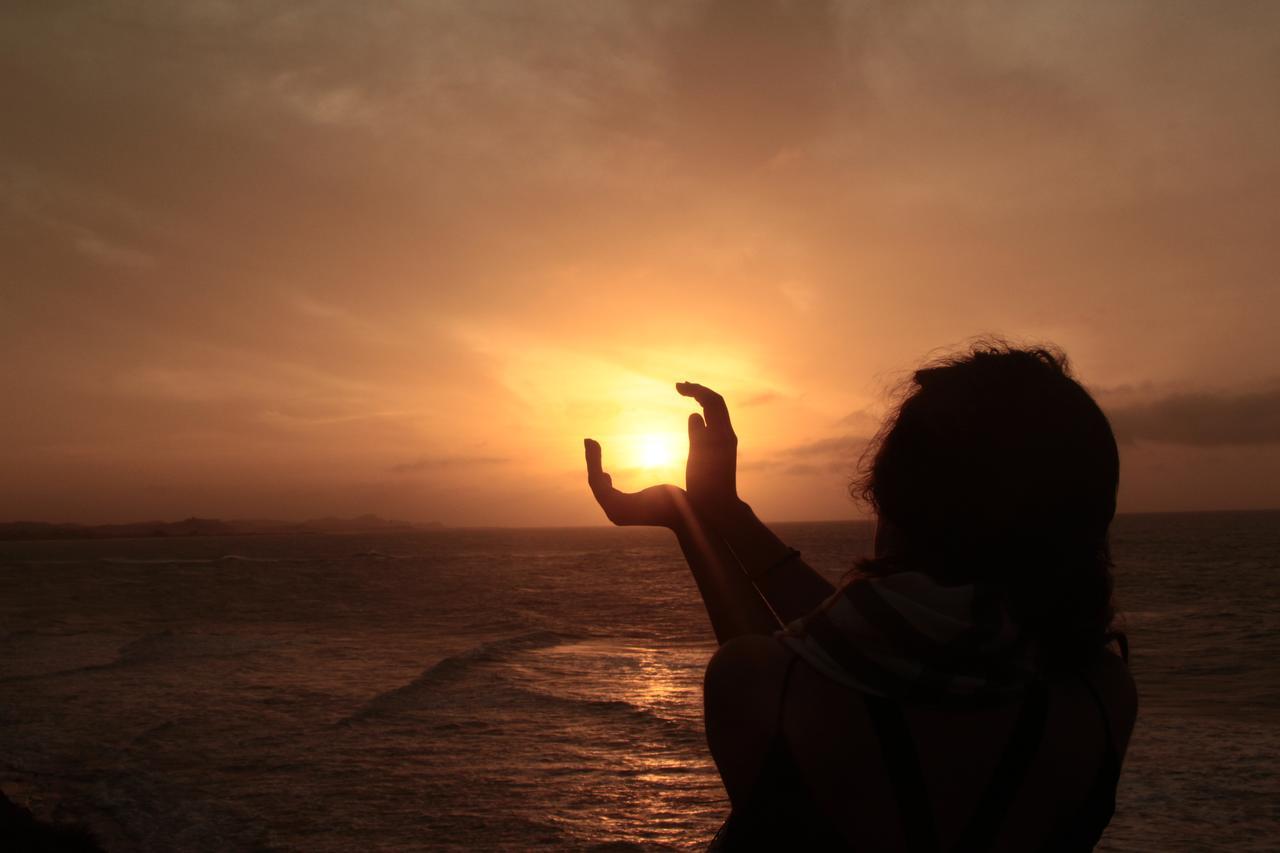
(286, 260)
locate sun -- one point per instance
(655, 450)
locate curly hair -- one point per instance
(998, 467)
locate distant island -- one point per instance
(13, 530)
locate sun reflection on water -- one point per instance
(649, 785)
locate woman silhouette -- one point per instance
(959, 691)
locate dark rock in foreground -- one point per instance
(22, 832)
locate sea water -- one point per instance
(515, 689)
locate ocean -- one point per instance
(516, 689)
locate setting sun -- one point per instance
(655, 451)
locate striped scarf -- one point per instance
(906, 636)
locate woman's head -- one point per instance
(998, 467)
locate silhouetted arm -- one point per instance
(786, 581)
(732, 602)
(790, 586)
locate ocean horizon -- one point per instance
(343, 525)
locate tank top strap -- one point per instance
(1028, 731)
(902, 763)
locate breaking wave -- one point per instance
(416, 693)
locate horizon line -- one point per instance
(393, 523)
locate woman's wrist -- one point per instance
(680, 519)
(760, 573)
(728, 514)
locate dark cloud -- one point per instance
(437, 463)
(839, 447)
(1203, 419)
(752, 78)
(836, 455)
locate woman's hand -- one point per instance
(711, 473)
(656, 506)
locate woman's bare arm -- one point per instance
(790, 586)
(735, 606)
(786, 581)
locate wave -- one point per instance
(417, 693)
(146, 648)
(149, 648)
(425, 693)
(372, 554)
(228, 558)
(614, 711)
(199, 561)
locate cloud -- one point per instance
(761, 399)
(800, 295)
(437, 463)
(1191, 419)
(835, 455)
(863, 419)
(751, 79)
(1202, 419)
(304, 200)
(843, 446)
(110, 254)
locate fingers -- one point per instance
(713, 406)
(601, 483)
(653, 506)
(618, 507)
(697, 429)
(592, 448)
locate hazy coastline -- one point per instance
(195, 526)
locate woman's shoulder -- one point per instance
(1111, 675)
(1107, 676)
(748, 672)
(742, 694)
(750, 663)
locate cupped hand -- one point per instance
(711, 472)
(656, 506)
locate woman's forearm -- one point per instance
(790, 586)
(733, 603)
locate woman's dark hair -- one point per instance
(999, 468)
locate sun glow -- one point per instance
(655, 451)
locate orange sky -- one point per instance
(284, 260)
